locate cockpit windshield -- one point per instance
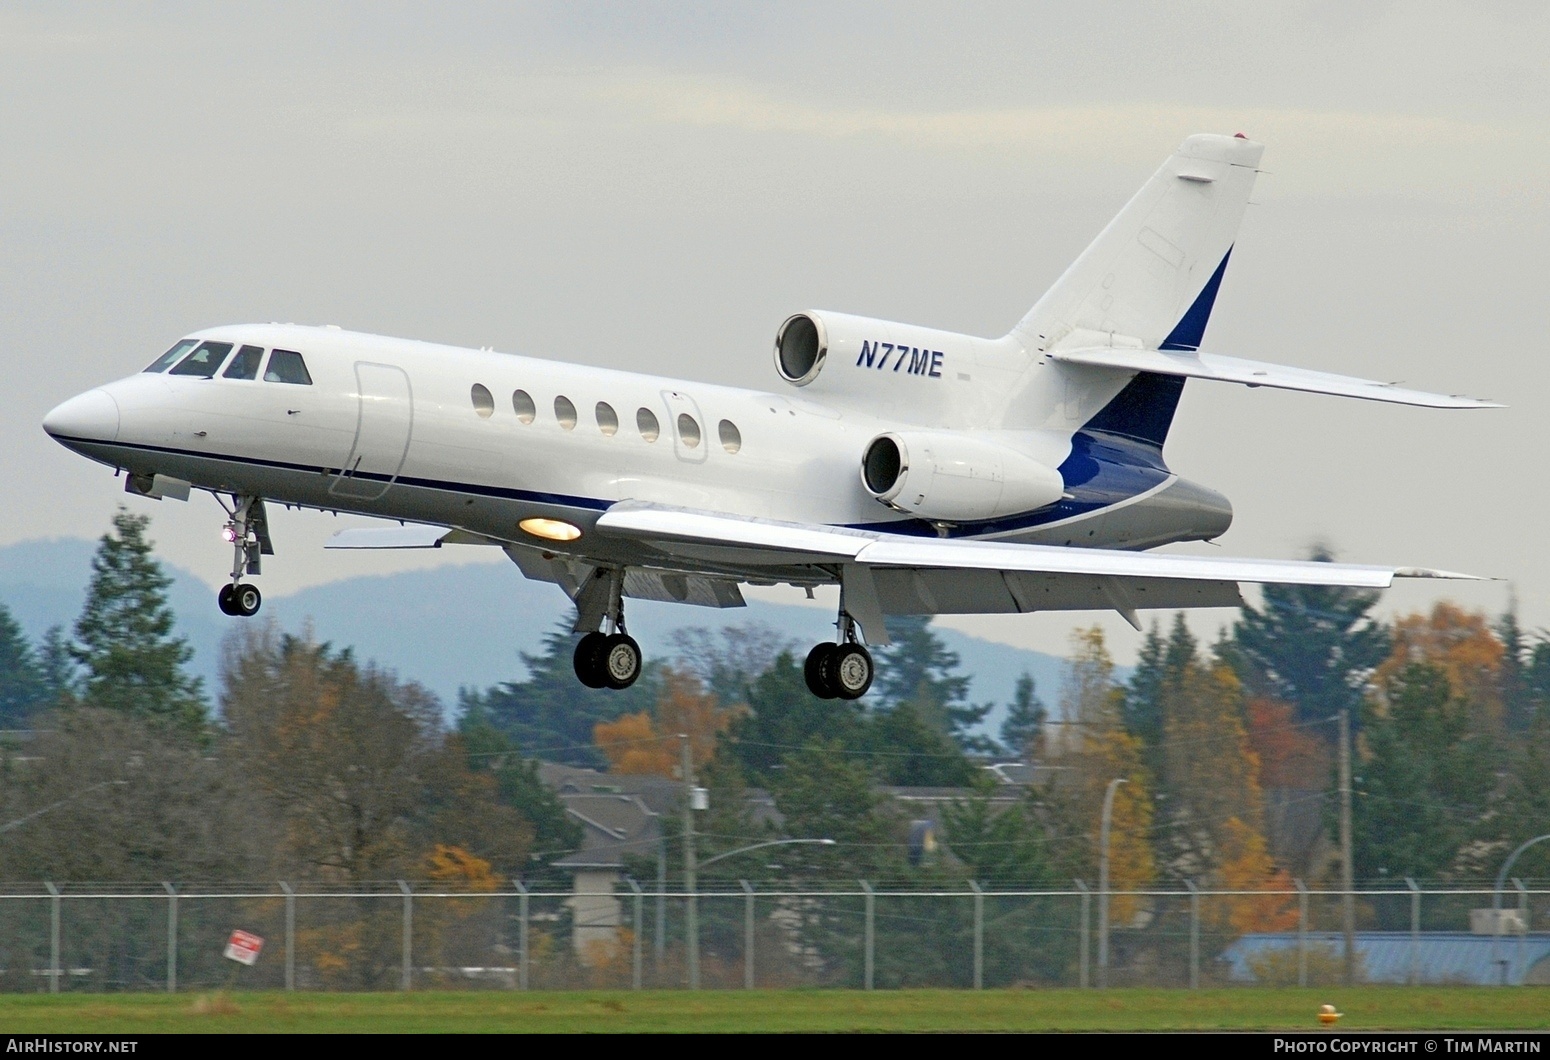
(168, 359)
(203, 362)
(245, 364)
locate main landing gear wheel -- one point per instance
(838, 671)
(621, 661)
(241, 600)
(588, 659)
(607, 660)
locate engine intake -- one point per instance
(952, 478)
(800, 348)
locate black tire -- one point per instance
(621, 661)
(850, 671)
(246, 600)
(819, 670)
(588, 660)
(223, 600)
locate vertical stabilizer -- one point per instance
(1150, 277)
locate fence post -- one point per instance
(871, 940)
(1302, 933)
(290, 935)
(635, 961)
(408, 935)
(660, 950)
(1194, 935)
(1523, 920)
(53, 937)
(172, 937)
(1087, 899)
(1415, 931)
(521, 934)
(979, 936)
(748, 912)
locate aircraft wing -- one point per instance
(1195, 365)
(896, 574)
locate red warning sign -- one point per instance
(243, 947)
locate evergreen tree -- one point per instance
(21, 681)
(1512, 676)
(783, 716)
(550, 714)
(124, 638)
(57, 669)
(918, 668)
(1312, 646)
(1142, 706)
(907, 750)
(1022, 731)
(1423, 786)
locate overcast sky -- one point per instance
(656, 186)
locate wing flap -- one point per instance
(410, 535)
(1194, 365)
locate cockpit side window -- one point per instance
(286, 366)
(168, 359)
(203, 362)
(245, 364)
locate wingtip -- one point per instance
(1430, 572)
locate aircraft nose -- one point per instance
(92, 416)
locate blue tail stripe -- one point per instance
(1144, 409)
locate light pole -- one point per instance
(1496, 901)
(691, 909)
(1103, 880)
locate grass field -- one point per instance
(1365, 1008)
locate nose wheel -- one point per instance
(248, 532)
(241, 600)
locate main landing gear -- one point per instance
(248, 532)
(607, 657)
(840, 671)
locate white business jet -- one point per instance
(921, 471)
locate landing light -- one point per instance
(229, 534)
(551, 529)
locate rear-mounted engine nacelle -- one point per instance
(954, 479)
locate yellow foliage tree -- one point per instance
(639, 743)
(1246, 865)
(1464, 646)
(1096, 749)
(632, 745)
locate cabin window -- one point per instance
(565, 412)
(484, 403)
(522, 405)
(731, 437)
(286, 366)
(688, 431)
(607, 419)
(245, 364)
(203, 362)
(168, 359)
(646, 423)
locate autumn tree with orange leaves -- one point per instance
(649, 743)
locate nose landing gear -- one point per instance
(248, 532)
(609, 659)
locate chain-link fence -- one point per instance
(863, 936)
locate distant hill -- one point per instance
(453, 626)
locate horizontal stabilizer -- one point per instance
(1195, 365)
